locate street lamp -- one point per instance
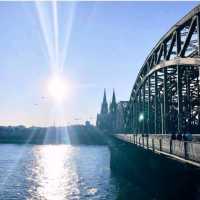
(141, 117)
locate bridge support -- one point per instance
(179, 97)
(161, 177)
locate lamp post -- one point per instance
(141, 119)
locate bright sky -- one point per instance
(93, 45)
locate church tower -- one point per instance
(104, 105)
(113, 105)
(113, 112)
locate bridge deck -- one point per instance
(185, 151)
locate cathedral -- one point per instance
(108, 119)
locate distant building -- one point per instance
(120, 117)
(87, 124)
(103, 118)
(113, 119)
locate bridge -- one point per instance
(163, 113)
(159, 143)
(165, 98)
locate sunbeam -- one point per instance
(45, 29)
(56, 34)
(70, 20)
(50, 32)
(19, 156)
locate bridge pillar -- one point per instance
(179, 95)
(165, 102)
(140, 112)
(144, 113)
(198, 33)
(136, 114)
(156, 103)
(149, 102)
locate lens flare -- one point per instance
(57, 88)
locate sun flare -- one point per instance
(57, 88)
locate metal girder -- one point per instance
(174, 35)
(171, 46)
(179, 98)
(178, 61)
(167, 88)
(188, 38)
(198, 33)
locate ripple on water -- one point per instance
(92, 191)
(55, 172)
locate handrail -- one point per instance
(188, 151)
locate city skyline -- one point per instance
(99, 45)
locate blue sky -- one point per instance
(105, 45)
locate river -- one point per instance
(61, 172)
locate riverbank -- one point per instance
(75, 135)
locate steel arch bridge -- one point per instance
(165, 98)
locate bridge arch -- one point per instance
(166, 95)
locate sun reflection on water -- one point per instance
(55, 173)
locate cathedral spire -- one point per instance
(113, 97)
(113, 105)
(104, 96)
(104, 106)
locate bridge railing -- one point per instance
(188, 150)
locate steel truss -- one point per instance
(166, 95)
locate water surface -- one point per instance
(56, 172)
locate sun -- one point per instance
(57, 88)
